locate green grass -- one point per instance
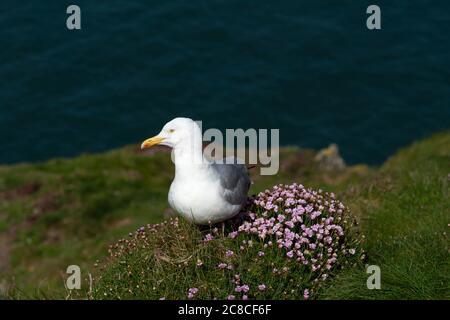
(80, 206)
(68, 211)
(405, 212)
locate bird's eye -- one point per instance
(171, 130)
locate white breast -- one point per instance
(201, 201)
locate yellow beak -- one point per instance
(151, 142)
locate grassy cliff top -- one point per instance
(67, 211)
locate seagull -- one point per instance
(203, 191)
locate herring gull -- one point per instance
(203, 191)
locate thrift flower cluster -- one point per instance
(309, 227)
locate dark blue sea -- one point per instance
(310, 68)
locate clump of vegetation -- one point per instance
(310, 227)
(289, 242)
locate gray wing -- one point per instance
(235, 181)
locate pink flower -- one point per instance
(243, 288)
(290, 224)
(231, 297)
(208, 237)
(222, 265)
(229, 253)
(233, 234)
(262, 287)
(192, 292)
(306, 294)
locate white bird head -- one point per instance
(175, 132)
